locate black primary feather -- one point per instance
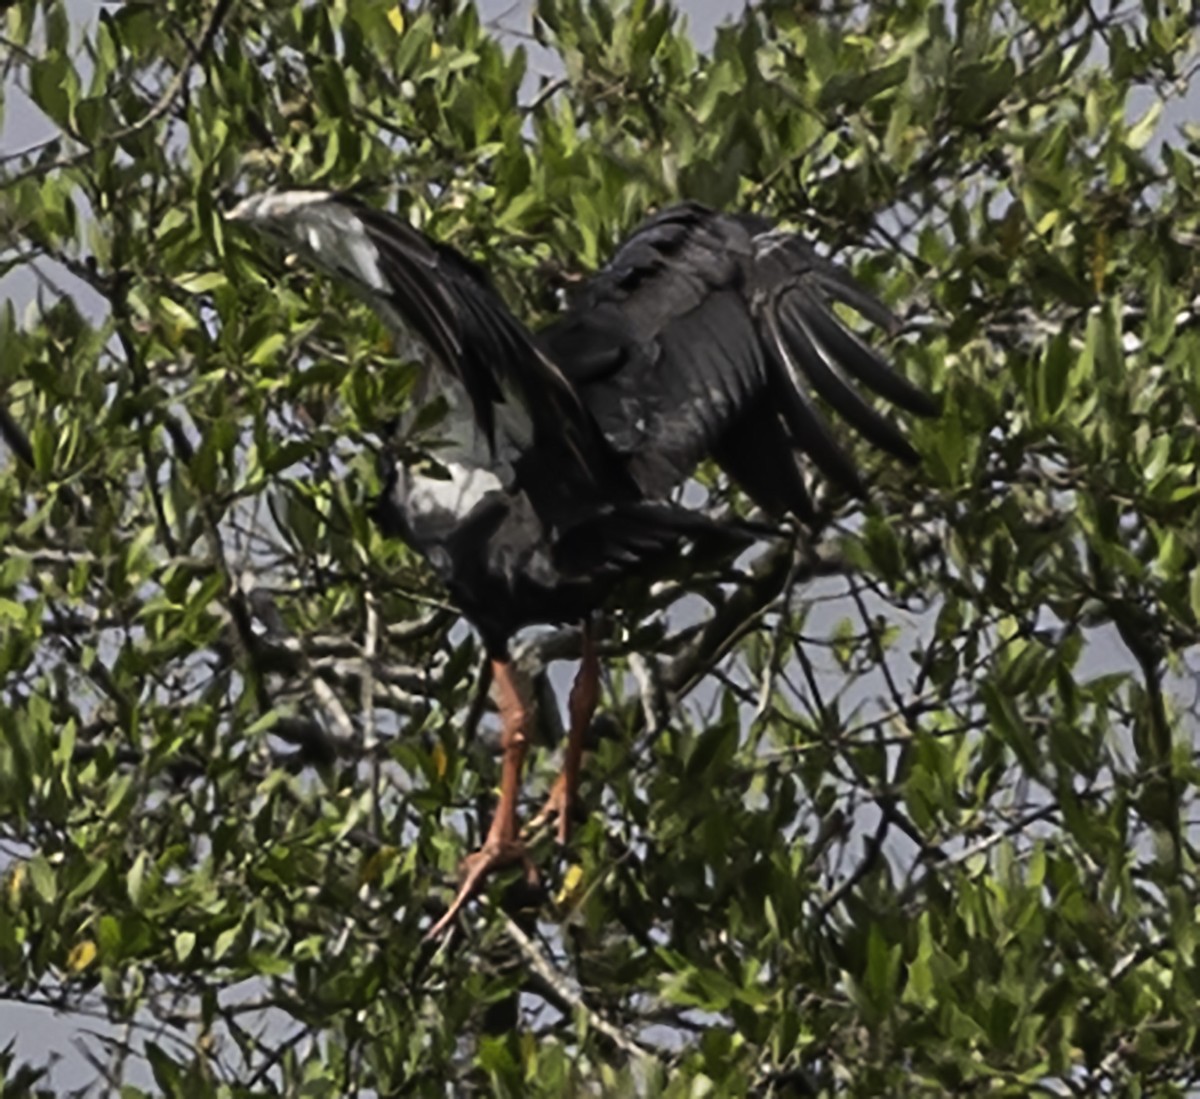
(711, 334)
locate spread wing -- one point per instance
(431, 292)
(710, 334)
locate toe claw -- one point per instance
(559, 808)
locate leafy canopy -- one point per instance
(905, 807)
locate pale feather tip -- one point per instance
(274, 205)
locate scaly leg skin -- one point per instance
(585, 694)
(503, 845)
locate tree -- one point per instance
(902, 806)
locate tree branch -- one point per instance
(162, 105)
(563, 990)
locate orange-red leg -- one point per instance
(585, 694)
(503, 846)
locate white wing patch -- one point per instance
(451, 497)
(458, 441)
(337, 240)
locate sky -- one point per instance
(39, 1031)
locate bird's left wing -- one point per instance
(710, 334)
(430, 291)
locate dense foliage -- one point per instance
(901, 806)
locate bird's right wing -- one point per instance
(710, 334)
(428, 290)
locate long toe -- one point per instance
(476, 869)
(559, 808)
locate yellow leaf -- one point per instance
(82, 955)
(572, 886)
(435, 51)
(374, 867)
(396, 18)
(16, 882)
(438, 753)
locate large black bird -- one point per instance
(701, 337)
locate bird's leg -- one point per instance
(585, 694)
(503, 845)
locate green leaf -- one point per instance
(203, 282)
(280, 458)
(167, 1074)
(1054, 374)
(135, 880)
(979, 87)
(855, 89)
(267, 349)
(224, 942)
(43, 878)
(1145, 128)
(1103, 356)
(1007, 721)
(714, 747)
(52, 83)
(882, 966)
(185, 943)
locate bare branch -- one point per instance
(562, 988)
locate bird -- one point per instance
(707, 334)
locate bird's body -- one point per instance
(558, 451)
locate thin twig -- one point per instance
(562, 988)
(164, 103)
(370, 648)
(544, 94)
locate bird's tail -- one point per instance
(627, 537)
